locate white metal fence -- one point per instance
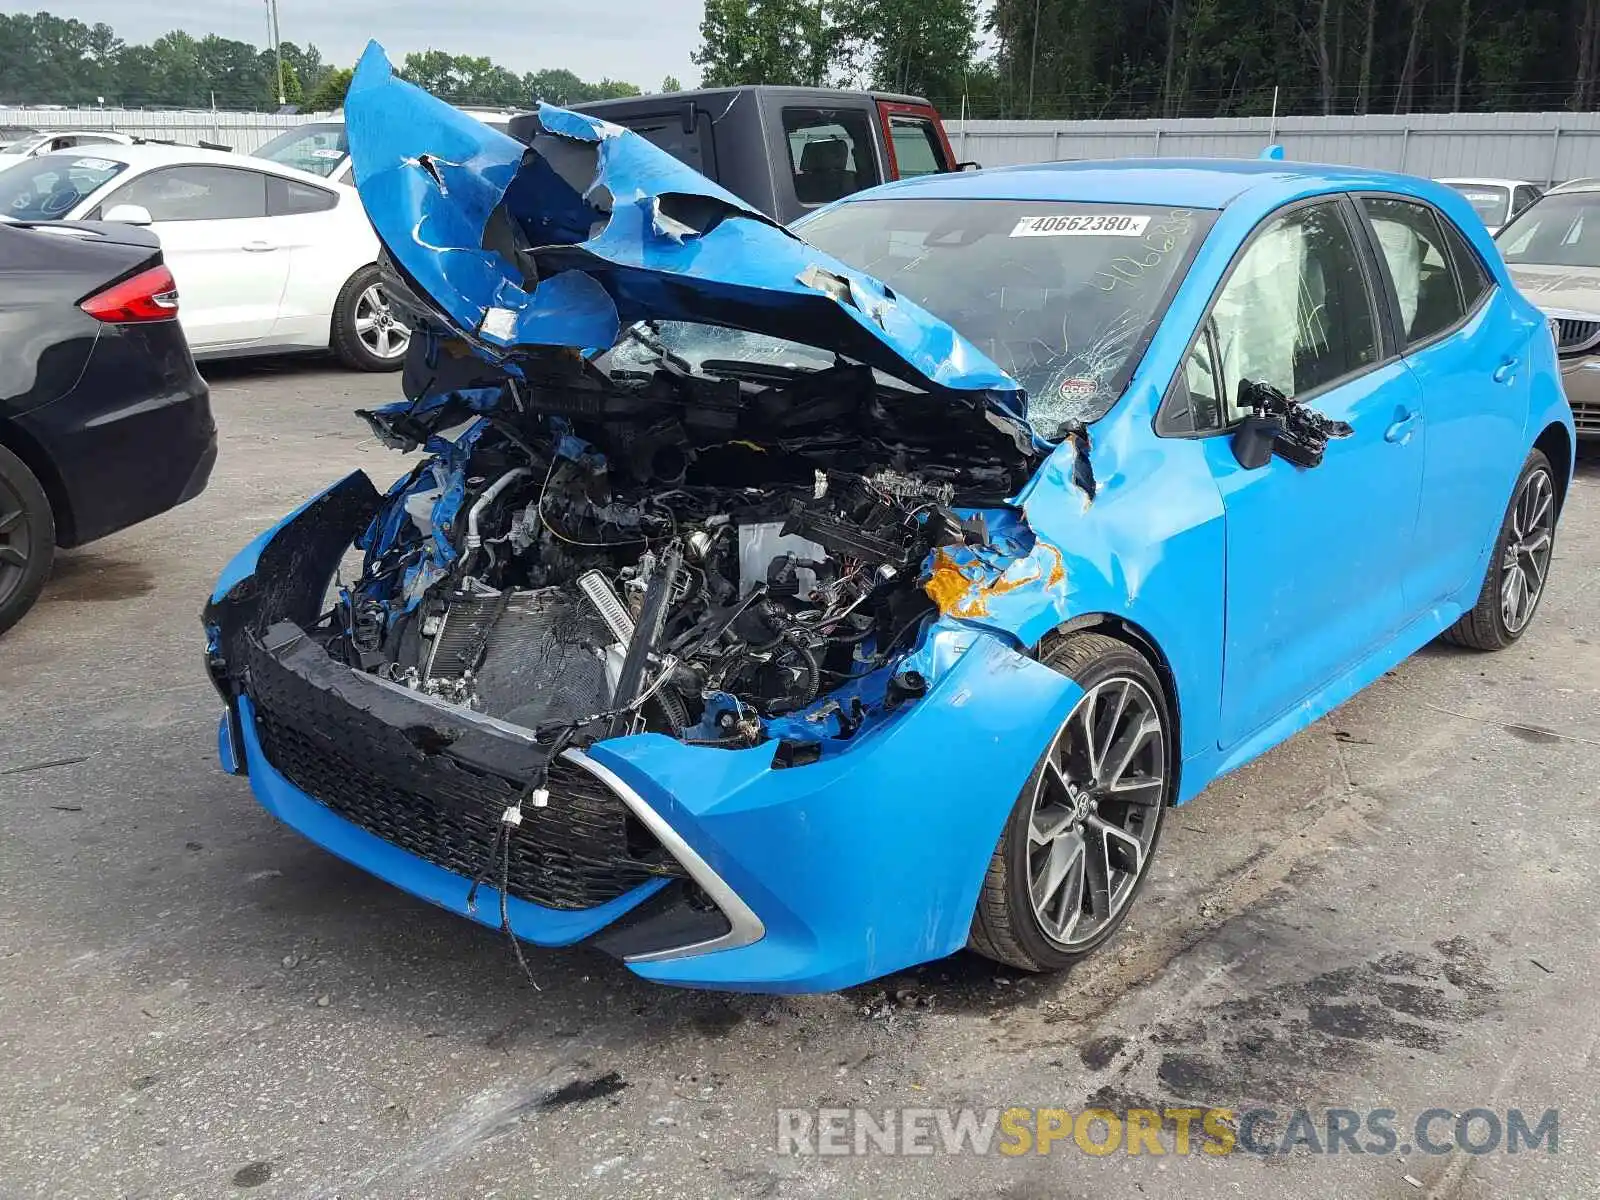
(1540, 147)
(242, 131)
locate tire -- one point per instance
(27, 538)
(367, 335)
(1521, 552)
(1122, 695)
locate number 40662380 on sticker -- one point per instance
(1082, 225)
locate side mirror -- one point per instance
(969, 166)
(128, 214)
(1255, 439)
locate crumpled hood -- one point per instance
(568, 241)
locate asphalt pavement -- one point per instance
(1394, 910)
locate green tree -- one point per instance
(614, 89)
(329, 94)
(670, 84)
(431, 70)
(180, 79)
(920, 46)
(773, 41)
(235, 73)
(307, 63)
(293, 93)
(557, 86)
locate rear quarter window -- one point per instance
(665, 131)
(290, 197)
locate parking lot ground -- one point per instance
(1395, 910)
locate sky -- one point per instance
(639, 41)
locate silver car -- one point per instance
(1553, 250)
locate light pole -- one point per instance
(277, 46)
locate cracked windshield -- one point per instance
(1063, 296)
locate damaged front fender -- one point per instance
(830, 854)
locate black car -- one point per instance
(104, 421)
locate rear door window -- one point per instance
(196, 193)
(1413, 248)
(830, 152)
(916, 147)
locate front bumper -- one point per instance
(756, 876)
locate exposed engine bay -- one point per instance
(606, 552)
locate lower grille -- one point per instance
(1586, 418)
(581, 850)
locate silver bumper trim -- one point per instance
(744, 927)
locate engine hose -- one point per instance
(673, 709)
(796, 639)
(772, 615)
(854, 639)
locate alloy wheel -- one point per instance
(16, 542)
(1096, 810)
(380, 331)
(1526, 561)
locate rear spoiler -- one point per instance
(199, 145)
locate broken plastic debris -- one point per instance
(1305, 433)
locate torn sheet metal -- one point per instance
(590, 229)
(979, 583)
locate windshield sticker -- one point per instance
(1100, 225)
(1079, 387)
(327, 154)
(93, 164)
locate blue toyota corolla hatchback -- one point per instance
(780, 609)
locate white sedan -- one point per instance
(322, 148)
(32, 145)
(267, 258)
(1496, 201)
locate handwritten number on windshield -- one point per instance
(1160, 240)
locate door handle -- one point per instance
(1400, 431)
(258, 246)
(1504, 372)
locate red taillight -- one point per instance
(149, 296)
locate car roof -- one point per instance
(1185, 182)
(152, 154)
(796, 93)
(1578, 185)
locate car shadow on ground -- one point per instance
(384, 933)
(231, 370)
(1589, 458)
(96, 575)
